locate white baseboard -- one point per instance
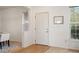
(57, 46)
(26, 44)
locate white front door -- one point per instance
(42, 28)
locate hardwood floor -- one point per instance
(61, 50)
(17, 46)
(35, 48)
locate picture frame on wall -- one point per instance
(58, 20)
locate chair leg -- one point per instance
(8, 43)
(0, 45)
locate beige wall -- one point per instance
(12, 22)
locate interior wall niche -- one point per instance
(26, 26)
(26, 21)
(26, 16)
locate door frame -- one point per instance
(48, 26)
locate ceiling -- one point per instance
(5, 7)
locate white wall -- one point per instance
(58, 34)
(29, 36)
(12, 22)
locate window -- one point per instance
(75, 23)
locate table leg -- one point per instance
(0, 45)
(8, 43)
